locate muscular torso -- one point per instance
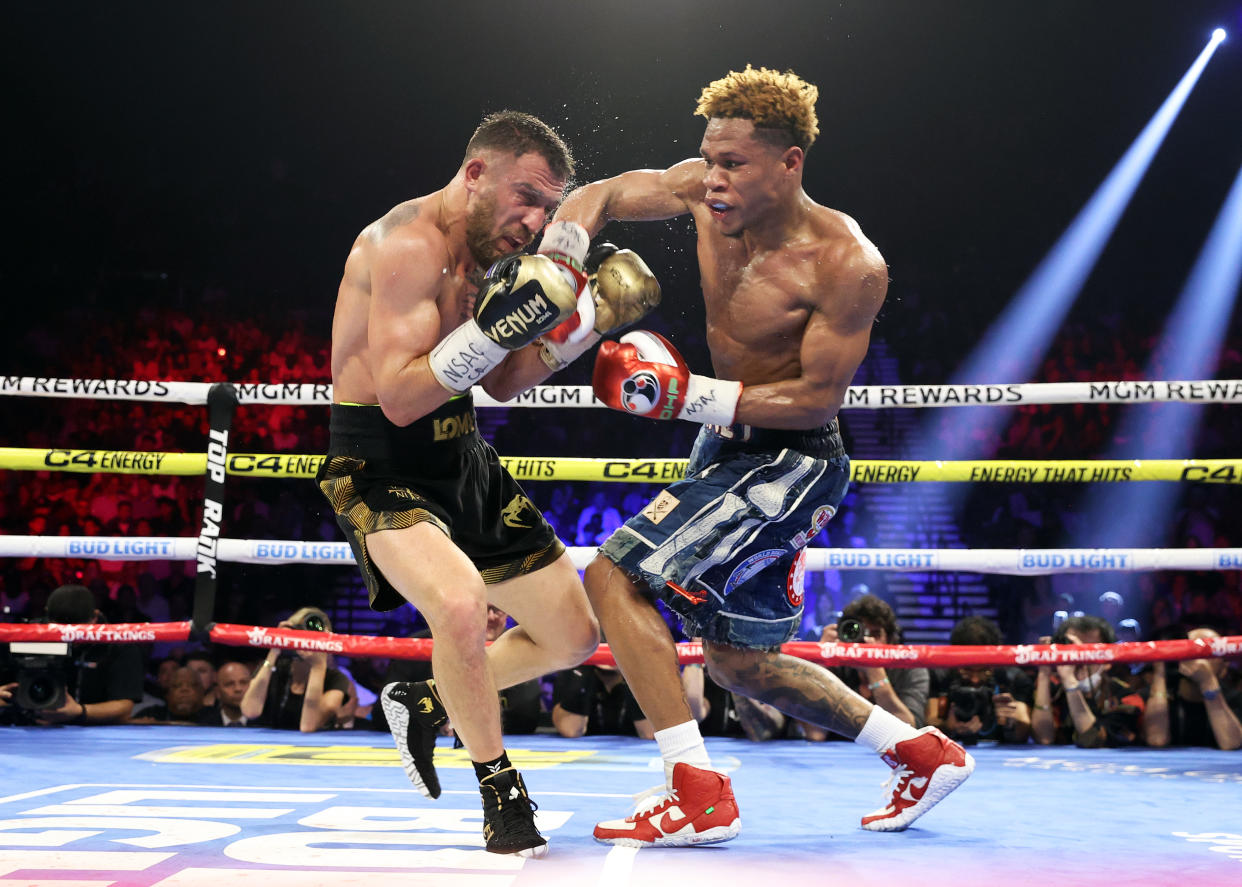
(756, 308)
(761, 304)
(352, 370)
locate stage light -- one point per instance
(1014, 346)
(1219, 35)
(1189, 348)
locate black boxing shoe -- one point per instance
(414, 716)
(509, 816)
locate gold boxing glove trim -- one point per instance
(625, 290)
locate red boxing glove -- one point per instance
(643, 374)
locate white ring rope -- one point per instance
(1008, 561)
(996, 561)
(872, 397)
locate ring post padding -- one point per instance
(221, 406)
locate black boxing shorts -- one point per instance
(378, 476)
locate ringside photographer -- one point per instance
(1195, 702)
(297, 690)
(981, 702)
(86, 685)
(1090, 704)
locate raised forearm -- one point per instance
(520, 371)
(256, 693)
(588, 206)
(1156, 714)
(792, 403)
(411, 391)
(692, 683)
(641, 195)
(1086, 727)
(1018, 728)
(1225, 725)
(1043, 729)
(314, 712)
(885, 695)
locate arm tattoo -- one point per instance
(394, 218)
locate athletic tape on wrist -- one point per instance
(566, 243)
(568, 239)
(559, 355)
(464, 357)
(710, 401)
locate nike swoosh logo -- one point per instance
(668, 825)
(919, 783)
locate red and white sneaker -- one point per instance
(925, 769)
(699, 809)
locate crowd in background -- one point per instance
(1196, 702)
(270, 345)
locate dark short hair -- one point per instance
(71, 605)
(518, 133)
(1081, 624)
(975, 631)
(872, 609)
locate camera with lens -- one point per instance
(42, 672)
(312, 622)
(851, 631)
(976, 700)
(969, 701)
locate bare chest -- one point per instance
(760, 307)
(456, 301)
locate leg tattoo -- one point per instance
(799, 688)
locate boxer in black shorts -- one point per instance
(432, 517)
(437, 469)
(414, 487)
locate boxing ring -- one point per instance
(183, 807)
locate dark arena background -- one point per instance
(1047, 424)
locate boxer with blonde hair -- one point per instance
(791, 290)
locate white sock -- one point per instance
(683, 743)
(883, 731)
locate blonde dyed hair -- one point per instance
(772, 100)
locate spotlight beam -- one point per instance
(1017, 341)
(1189, 348)
(1013, 347)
